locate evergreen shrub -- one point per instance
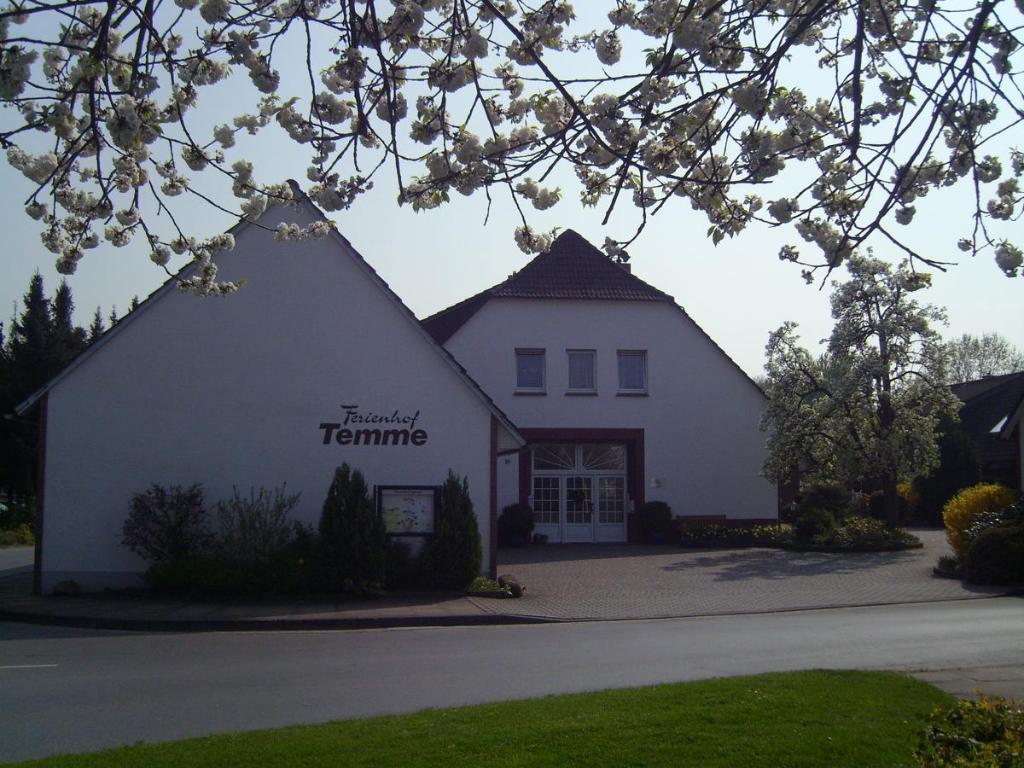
(452, 557)
(352, 552)
(996, 556)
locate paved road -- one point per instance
(65, 690)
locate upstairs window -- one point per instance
(632, 371)
(530, 370)
(581, 370)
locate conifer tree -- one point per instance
(453, 555)
(97, 328)
(352, 537)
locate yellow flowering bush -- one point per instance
(961, 511)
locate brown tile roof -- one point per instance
(571, 269)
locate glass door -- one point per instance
(579, 508)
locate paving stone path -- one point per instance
(635, 581)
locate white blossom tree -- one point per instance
(865, 414)
(832, 117)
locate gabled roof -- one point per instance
(990, 406)
(571, 269)
(170, 284)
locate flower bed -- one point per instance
(856, 534)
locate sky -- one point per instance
(737, 292)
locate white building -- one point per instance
(314, 363)
(621, 396)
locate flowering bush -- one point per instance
(727, 536)
(966, 506)
(988, 733)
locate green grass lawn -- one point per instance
(820, 719)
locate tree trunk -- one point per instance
(891, 502)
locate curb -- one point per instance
(265, 625)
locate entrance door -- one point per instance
(579, 509)
(579, 492)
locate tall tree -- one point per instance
(867, 413)
(974, 357)
(68, 340)
(43, 340)
(642, 102)
(96, 328)
(31, 354)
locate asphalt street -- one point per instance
(66, 690)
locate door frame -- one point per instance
(633, 439)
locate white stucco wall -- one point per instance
(701, 439)
(231, 391)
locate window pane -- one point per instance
(611, 500)
(530, 370)
(554, 457)
(579, 506)
(604, 457)
(632, 370)
(545, 500)
(581, 370)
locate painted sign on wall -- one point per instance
(365, 427)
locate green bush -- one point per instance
(165, 525)
(655, 520)
(813, 523)
(988, 733)
(15, 513)
(515, 524)
(829, 497)
(255, 528)
(1011, 515)
(353, 542)
(452, 557)
(16, 537)
(996, 556)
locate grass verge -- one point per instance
(787, 720)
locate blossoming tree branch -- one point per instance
(834, 118)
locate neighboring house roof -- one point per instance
(990, 407)
(571, 269)
(170, 285)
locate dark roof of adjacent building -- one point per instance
(571, 269)
(988, 404)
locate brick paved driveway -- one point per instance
(634, 581)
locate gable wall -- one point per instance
(701, 439)
(231, 391)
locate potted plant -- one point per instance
(515, 525)
(655, 520)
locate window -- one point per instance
(632, 371)
(530, 370)
(545, 500)
(581, 370)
